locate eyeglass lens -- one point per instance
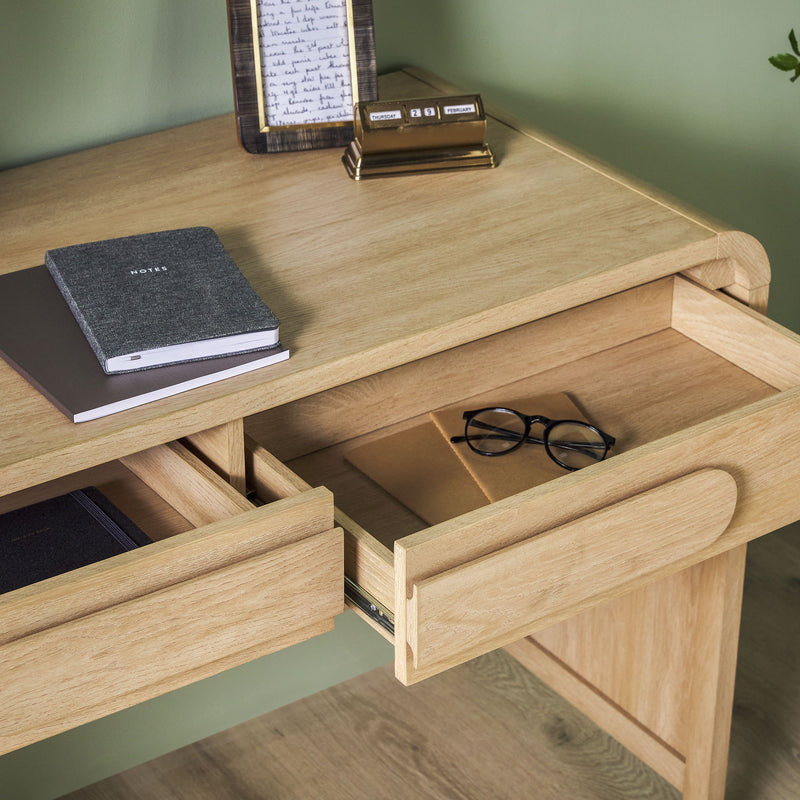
(575, 445)
(495, 431)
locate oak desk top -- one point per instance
(363, 275)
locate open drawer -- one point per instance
(702, 395)
(222, 583)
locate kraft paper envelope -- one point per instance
(438, 480)
(419, 468)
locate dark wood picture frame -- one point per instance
(256, 134)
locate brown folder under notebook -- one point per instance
(438, 480)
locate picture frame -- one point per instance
(299, 67)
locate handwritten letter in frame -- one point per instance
(299, 66)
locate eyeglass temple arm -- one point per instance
(501, 433)
(504, 434)
(577, 446)
(505, 437)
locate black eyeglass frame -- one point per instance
(525, 437)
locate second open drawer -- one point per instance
(702, 395)
(222, 583)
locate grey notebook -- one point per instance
(40, 339)
(161, 298)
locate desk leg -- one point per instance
(222, 448)
(656, 669)
(716, 644)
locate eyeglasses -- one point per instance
(499, 431)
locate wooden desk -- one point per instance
(619, 584)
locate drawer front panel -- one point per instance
(162, 564)
(561, 571)
(249, 580)
(92, 666)
(428, 563)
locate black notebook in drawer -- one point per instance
(62, 534)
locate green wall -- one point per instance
(78, 73)
(677, 93)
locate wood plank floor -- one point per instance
(490, 730)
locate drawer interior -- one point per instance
(644, 364)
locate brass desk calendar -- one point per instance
(412, 136)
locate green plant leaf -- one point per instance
(785, 61)
(793, 41)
